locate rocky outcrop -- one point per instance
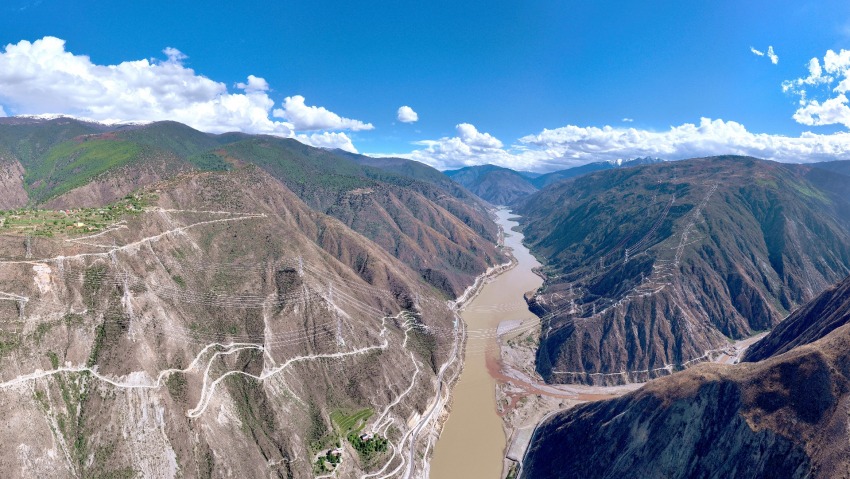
(13, 195)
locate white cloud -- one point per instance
(469, 147)
(407, 115)
(469, 135)
(830, 112)
(774, 58)
(328, 140)
(2, 112)
(627, 120)
(174, 55)
(574, 145)
(255, 84)
(42, 77)
(818, 106)
(311, 118)
(709, 137)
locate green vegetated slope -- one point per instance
(781, 417)
(500, 186)
(653, 268)
(838, 166)
(72, 164)
(64, 154)
(410, 209)
(28, 140)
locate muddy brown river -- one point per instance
(472, 444)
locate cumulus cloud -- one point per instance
(254, 84)
(572, 145)
(469, 147)
(627, 120)
(469, 135)
(2, 112)
(774, 58)
(823, 92)
(407, 115)
(42, 77)
(311, 118)
(328, 139)
(709, 137)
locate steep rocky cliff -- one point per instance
(12, 185)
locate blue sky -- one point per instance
(525, 84)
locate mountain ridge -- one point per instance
(79, 164)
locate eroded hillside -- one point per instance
(211, 323)
(655, 268)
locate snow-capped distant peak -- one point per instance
(108, 122)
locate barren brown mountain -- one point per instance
(203, 320)
(658, 267)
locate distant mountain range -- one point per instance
(503, 186)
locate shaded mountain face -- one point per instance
(497, 185)
(503, 186)
(654, 268)
(783, 417)
(839, 166)
(809, 323)
(414, 212)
